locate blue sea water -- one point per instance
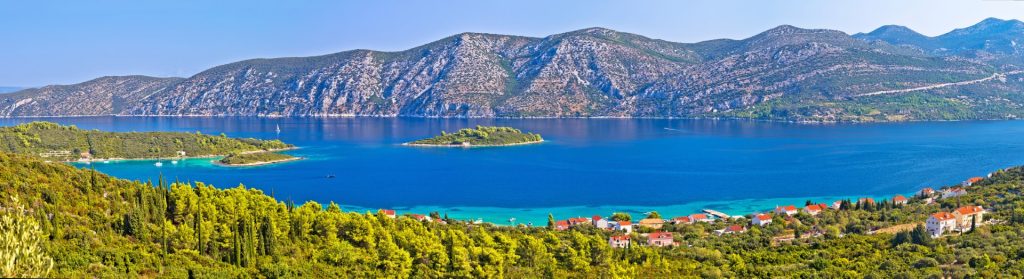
(586, 166)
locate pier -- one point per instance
(716, 213)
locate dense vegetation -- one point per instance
(99, 226)
(482, 136)
(65, 143)
(251, 158)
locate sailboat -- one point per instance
(159, 164)
(278, 129)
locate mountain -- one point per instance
(785, 73)
(9, 89)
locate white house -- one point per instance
(814, 209)
(388, 212)
(731, 230)
(600, 222)
(701, 217)
(788, 210)
(682, 220)
(899, 200)
(940, 223)
(953, 192)
(761, 220)
(971, 181)
(619, 241)
(926, 192)
(625, 226)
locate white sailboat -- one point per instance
(159, 164)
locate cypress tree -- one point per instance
(551, 221)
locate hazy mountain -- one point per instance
(784, 73)
(9, 89)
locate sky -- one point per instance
(64, 42)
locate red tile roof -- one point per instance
(596, 217)
(928, 190)
(390, 212)
(699, 216)
(684, 219)
(418, 216)
(814, 207)
(762, 217)
(973, 180)
(735, 228)
(625, 223)
(786, 208)
(660, 235)
(968, 210)
(943, 216)
(899, 198)
(578, 220)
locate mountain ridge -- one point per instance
(784, 73)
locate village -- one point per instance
(650, 231)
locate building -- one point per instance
(731, 230)
(600, 222)
(701, 217)
(971, 181)
(926, 192)
(682, 220)
(865, 201)
(837, 204)
(761, 220)
(420, 217)
(953, 192)
(625, 226)
(813, 209)
(181, 153)
(660, 239)
(940, 223)
(968, 214)
(619, 241)
(653, 223)
(899, 200)
(578, 221)
(388, 212)
(788, 210)
(561, 225)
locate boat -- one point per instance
(158, 164)
(512, 220)
(330, 176)
(278, 128)
(174, 162)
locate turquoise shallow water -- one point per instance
(587, 166)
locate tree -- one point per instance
(653, 215)
(21, 247)
(551, 221)
(621, 216)
(920, 236)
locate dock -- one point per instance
(716, 213)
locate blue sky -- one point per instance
(62, 42)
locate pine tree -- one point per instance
(551, 221)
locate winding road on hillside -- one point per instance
(941, 85)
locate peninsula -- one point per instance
(480, 136)
(255, 159)
(55, 142)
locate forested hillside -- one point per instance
(65, 143)
(99, 226)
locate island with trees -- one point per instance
(255, 159)
(480, 136)
(54, 142)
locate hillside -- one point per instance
(52, 141)
(786, 73)
(91, 225)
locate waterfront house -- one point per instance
(619, 241)
(940, 223)
(578, 221)
(813, 209)
(682, 220)
(600, 222)
(953, 192)
(865, 201)
(926, 192)
(731, 230)
(388, 212)
(701, 217)
(971, 181)
(181, 153)
(420, 217)
(899, 200)
(561, 225)
(660, 239)
(625, 226)
(653, 223)
(788, 210)
(761, 219)
(966, 214)
(837, 204)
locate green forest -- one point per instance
(255, 158)
(69, 222)
(482, 136)
(52, 141)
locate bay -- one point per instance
(586, 166)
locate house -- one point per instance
(837, 204)
(926, 192)
(619, 241)
(865, 201)
(420, 217)
(599, 222)
(682, 220)
(731, 230)
(625, 226)
(701, 217)
(578, 221)
(899, 200)
(940, 223)
(761, 219)
(788, 210)
(660, 239)
(813, 209)
(653, 223)
(971, 181)
(953, 192)
(181, 153)
(561, 225)
(388, 212)
(967, 214)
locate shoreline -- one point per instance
(469, 145)
(218, 163)
(95, 160)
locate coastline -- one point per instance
(95, 160)
(469, 145)
(218, 163)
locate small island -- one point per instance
(255, 159)
(480, 136)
